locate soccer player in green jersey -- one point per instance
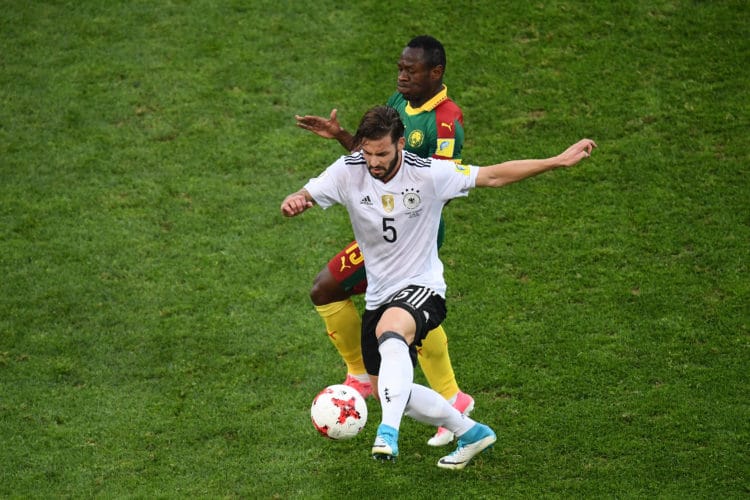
(433, 127)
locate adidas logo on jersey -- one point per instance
(366, 201)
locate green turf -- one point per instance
(156, 336)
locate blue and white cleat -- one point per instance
(386, 443)
(465, 404)
(479, 438)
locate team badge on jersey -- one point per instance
(411, 199)
(388, 202)
(415, 139)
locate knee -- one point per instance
(391, 335)
(325, 289)
(435, 344)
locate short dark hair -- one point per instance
(378, 122)
(434, 52)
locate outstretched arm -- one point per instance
(327, 128)
(516, 170)
(296, 203)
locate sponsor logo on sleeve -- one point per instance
(462, 169)
(445, 147)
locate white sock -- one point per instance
(394, 380)
(429, 407)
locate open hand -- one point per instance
(327, 128)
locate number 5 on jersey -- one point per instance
(389, 231)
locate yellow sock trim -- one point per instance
(436, 363)
(344, 326)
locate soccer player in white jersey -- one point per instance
(394, 200)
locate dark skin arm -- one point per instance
(327, 128)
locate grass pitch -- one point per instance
(156, 338)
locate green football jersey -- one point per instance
(436, 129)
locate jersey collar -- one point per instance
(429, 105)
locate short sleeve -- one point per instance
(324, 188)
(453, 180)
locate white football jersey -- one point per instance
(396, 223)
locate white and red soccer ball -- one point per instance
(339, 412)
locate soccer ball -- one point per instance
(339, 412)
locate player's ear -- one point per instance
(401, 143)
(437, 72)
